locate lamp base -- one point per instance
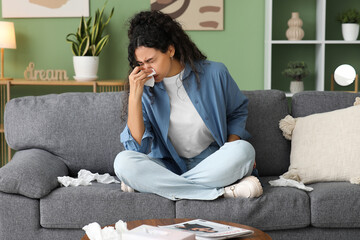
(2, 79)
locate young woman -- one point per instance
(185, 137)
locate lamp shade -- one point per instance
(7, 35)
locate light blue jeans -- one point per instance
(207, 175)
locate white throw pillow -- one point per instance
(325, 146)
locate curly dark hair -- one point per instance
(154, 29)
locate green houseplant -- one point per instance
(349, 20)
(87, 44)
(349, 16)
(297, 71)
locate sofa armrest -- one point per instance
(32, 173)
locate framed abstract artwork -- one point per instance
(193, 15)
(44, 8)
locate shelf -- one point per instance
(322, 48)
(296, 42)
(67, 83)
(314, 42)
(341, 42)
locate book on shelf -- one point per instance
(207, 230)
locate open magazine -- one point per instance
(206, 230)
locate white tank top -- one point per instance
(187, 131)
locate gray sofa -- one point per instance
(57, 135)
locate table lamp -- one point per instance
(7, 40)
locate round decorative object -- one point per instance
(295, 32)
(296, 86)
(344, 75)
(350, 31)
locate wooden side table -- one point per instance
(258, 234)
(5, 95)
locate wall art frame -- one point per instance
(193, 15)
(44, 8)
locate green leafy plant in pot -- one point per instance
(297, 71)
(349, 20)
(87, 44)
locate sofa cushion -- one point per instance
(310, 102)
(75, 207)
(324, 146)
(313, 233)
(266, 108)
(335, 205)
(32, 173)
(278, 208)
(81, 128)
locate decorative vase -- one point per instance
(86, 67)
(350, 31)
(296, 86)
(295, 32)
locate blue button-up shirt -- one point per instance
(217, 99)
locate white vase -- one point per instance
(295, 32)
(350, 31)
(296, 86)
(86, 67)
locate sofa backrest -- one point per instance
(266, 109)
(82, 128)
(310, 102)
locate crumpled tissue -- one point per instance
(94, 231)
(283, 182)
(85, 178)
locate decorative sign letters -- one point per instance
(44, 75)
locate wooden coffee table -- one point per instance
(258, 234)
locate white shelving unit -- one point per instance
(320, 44)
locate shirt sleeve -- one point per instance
(131, 144)
(236, 108)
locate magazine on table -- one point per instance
(206, 230)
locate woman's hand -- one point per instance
(137, 79)
(233, 137)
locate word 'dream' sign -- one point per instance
(44, 75)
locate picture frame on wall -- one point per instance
(193, 15)
(44, 8)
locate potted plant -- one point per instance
(349, 24)
(87, 43)
(296, 70)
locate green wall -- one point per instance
(42, 40)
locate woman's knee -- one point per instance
(125, 162)
(243, 148)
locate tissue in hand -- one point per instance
(151, 81)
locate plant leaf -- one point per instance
(68, 38)
(111, 14)
(101, 45)
(84, 46)
(88, 40)
(75, 49)
(95, 34)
